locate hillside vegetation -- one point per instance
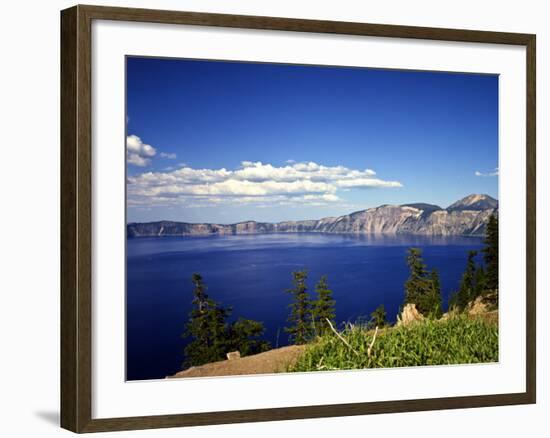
(457, 339)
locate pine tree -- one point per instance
(491, 254)
(378, 317)
(211, 336)
(206, 327)
(419, 288)
(323, 307)
(480, 286)
(245, 337)
(466, 292)
(435, 300)
(453, 301)
(416, 284)
(300, 310)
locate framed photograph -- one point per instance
(271, 218)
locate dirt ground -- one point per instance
(273, 361)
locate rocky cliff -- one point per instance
(467, 216)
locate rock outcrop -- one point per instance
(465, 217)
(409, 315)
(477, 307)
(233, 355)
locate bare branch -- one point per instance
(369, 350)
(341, 337)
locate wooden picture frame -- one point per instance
(76, 217)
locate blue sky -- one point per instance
(228, 141)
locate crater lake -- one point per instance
(251, 274)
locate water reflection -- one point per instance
(151, 245)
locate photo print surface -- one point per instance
(298, 218)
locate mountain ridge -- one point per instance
(467, 216)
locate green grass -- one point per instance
(458, 340)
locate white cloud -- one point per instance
(137, 152)
(307, 183)
(367, 182)
(168, 156)
(493, 173)
(136, 160)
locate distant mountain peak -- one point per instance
(474, 202)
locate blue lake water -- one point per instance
(252, 272)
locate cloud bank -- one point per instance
(257, 183)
